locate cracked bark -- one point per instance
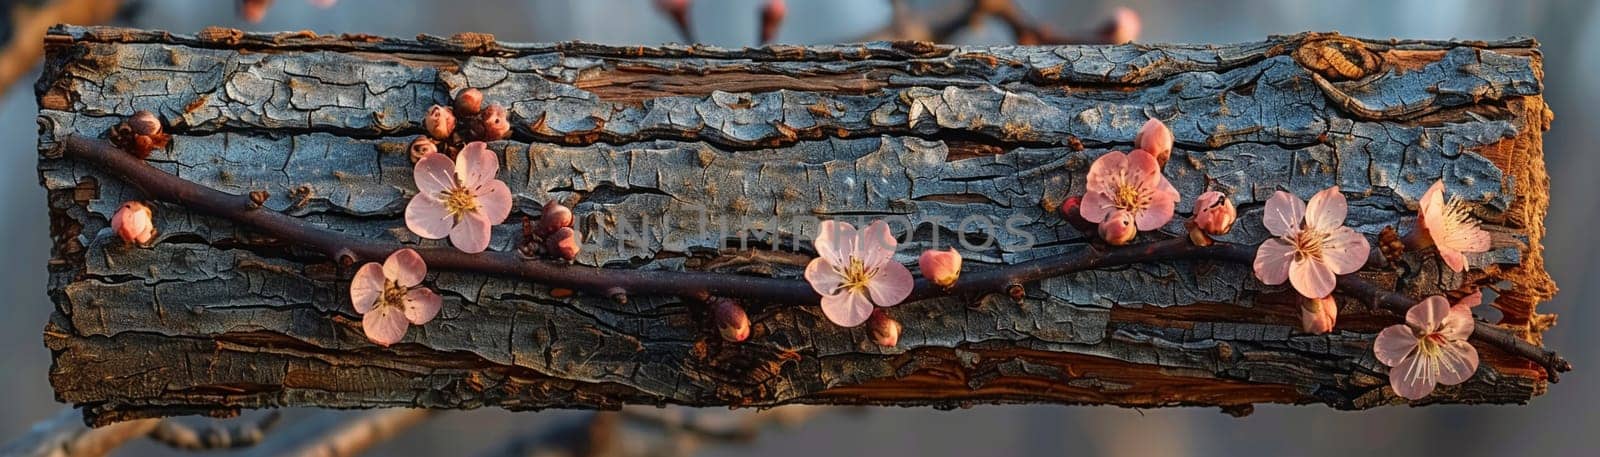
(215, 317)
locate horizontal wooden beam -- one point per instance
(219, 315)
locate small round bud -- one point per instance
(1121, 28)
(144, 123)
(554, 216)
(1069, 211)
(1155, 138)
(771, 17)
(1214, 213)
(885, 330)
(422, 146)
(469, 102)
(1318, 315)
(732, 322)
(496, 123)
(441, 122)
(253, 11)
(940, 267)
(563, 244)
(258, 198)
(1118, 229)
(132, 222)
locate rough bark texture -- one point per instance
(213, 318)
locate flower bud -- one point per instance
(885, 330)
(563, 244)
(1317, 315)
(1118, 229)
(144, 123)
(253, 11)
(1155, 138)
(132, 223)
(441, 122)
(1121, 28)
(771, 17)
(1069, 211)
(732, 322)
(422, 146)
(941, 267)
(469, 102)
(1214, 213)
(139, 134)
(496, 123)
(553, 217)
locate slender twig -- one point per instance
(217, 436)
(21, 49)
(357, 435)
(349, 249)
(65, 435)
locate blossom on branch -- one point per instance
(132, 222)
(460, 198)
(1129, 182)
(856, 270)
(1431, 348)
(388, 299)
(1450, 227)
(1312, 245)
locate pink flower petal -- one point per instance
(476, 165)
(1470, 301)
(1326, 210)
(405, 266)
(1430, 211)
(1283, 213)
(847, 309)
(494, 200)
(1457, 361)
(875, 244)
(823, 277)
(434, 174)
(1345, 251)
(1272, 261)
(422, 305)
(367, 287)
(427, 217)
(1162, 203)
(836, 241)
(1466, 239)
(472, 234)
(1452, 258)
(1413, 378)
(1102, 171)
(1457, 324)
(1429, 314)
(1141, 164)
(1394, 343)
(1095, 207)
(891, 285)
(385, 325)
(1310, 278)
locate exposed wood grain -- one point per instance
(215, 317)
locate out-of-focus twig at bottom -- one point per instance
(653, 432)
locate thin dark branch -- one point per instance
(217, 436)
(162, 186)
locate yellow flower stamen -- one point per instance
(856, 275)
(393, 295)
(1308, 244)
(1126, 195)
(459, 202)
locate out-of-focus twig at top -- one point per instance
(21, 49)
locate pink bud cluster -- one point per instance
(466, 120)
(552, 236)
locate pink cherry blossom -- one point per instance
(1450, 227)
(1312, 245)
(856, 270)
(1431, 348)
(1129, 182)
(388, 299)
(460, 198)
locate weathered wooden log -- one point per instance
(679, 142)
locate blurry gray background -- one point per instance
(1560, 423)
